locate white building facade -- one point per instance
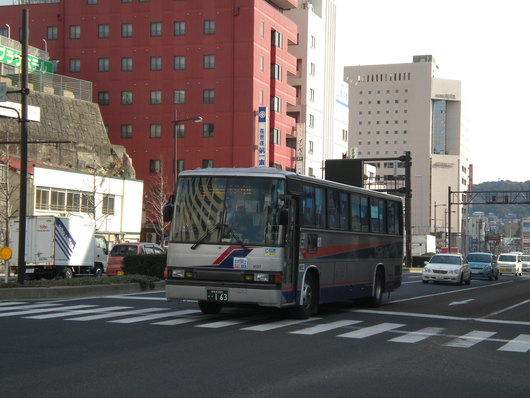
(322, 102)
(114, 203)
(403, 107)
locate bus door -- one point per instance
(292, 241)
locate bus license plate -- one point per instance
(217, 295)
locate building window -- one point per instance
(103, 65)
(90, 2)
(313, 42)
(276, 39)
(126, 64)
(311, 95)
(276, 72)
(179, 97)
(312, 69)
(208, 96)
(208, 130)
(179, 62)
(126, 131)
(345, 135)
(103, 97)
(276, 136)
(75, 65)
(261, 63)
(262, 29)
(156, 63)
(126, 30)
(180, 165)
(156, 131)
(126, 1)
(156, 97)
(180, 130)
(276, 104)
(126, 97)
(103, 31)
(53, 33)
(75, 32)
(42, 199)
(209, 27)
(311, 120)
(209, 62)
(207, 163)
(311, 147)
(179, 28)
(154, 166)
(156, 29)
(107, 207)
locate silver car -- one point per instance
(526, 263)
(447, 268)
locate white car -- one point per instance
(510, 263)
(447, 268)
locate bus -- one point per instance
(279, 239)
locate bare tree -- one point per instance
(156, 196)
(8, 193)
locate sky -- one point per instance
(482, 43)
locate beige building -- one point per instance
(404, 107)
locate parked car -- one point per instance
(483, 265)
(510, 263)
(525, 259)
(120, 250)
(447, 268)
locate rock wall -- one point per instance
(67, 119)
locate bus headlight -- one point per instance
(177, 273)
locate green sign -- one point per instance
(14, 58)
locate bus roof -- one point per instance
(275, 173)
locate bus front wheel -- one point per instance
(309, 299)
(208, 307)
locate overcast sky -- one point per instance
(482, 43)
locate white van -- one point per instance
(510, 263)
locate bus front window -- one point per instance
(229, 210)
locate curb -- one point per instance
(38, 293)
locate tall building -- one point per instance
(321, 107)
(154, 63)
(404, 107)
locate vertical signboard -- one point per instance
(300, 148)
(262, 136)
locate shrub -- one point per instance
(147, 264)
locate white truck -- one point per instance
(59, 247)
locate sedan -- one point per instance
(447, 268)
(483, 265)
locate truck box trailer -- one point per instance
(59, 247)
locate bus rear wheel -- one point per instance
(208, 307)
(377, 298)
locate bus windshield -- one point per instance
(229, 210)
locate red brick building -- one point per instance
(154, 62)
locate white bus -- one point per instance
(275, 238)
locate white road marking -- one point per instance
(462, 302)
(419, 335)
(506, 309)
(115, 314)
(10, 303)
(155, 316)
(277, 324)
(371, 331)
(41, 310)
(28, 307)
(470, 339)
(181, 321)
(325, 327)
(520, 344)
(228, 322)
(78, 312)
(124, 297)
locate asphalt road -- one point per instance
(427, 340)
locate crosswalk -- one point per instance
(251, 322)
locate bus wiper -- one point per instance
(237, 238)
(205, 235)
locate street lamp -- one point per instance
(176, 122)
(8, 31)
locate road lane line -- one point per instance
(470, 339)
(277, 324)
(77, 312)
(520, 344)
(28, 307)
(371, 330)
(449, 292)
(181, 321)
(325, 327)
(155, 316)
(506, 309)
(419, 335)
(115, 314)
(229, 322)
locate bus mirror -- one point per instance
(284, 216)
(168, 209)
